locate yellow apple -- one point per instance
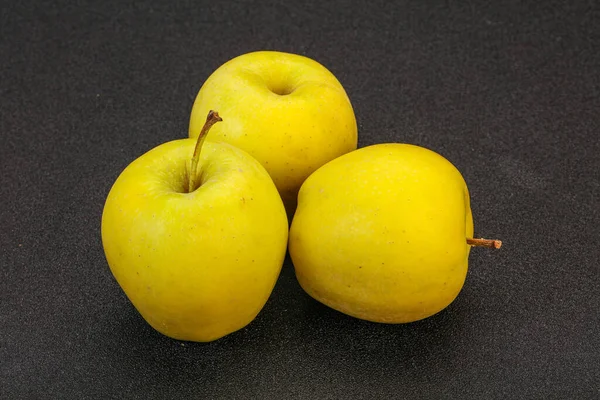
(197, 249)
(383, 233)
(287, 111)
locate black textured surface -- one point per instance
(508, 92)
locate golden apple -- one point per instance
(196, 248)
(383, 233)
(287, 111)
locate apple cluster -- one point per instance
(195, 231)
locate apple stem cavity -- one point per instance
(212, 118)
(490, 243)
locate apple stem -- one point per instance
(490, 243)
(212, 118)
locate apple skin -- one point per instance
(200, 265)
(381, 233)
(286, 110)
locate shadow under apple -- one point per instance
(295, 341)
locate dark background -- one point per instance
(509, 92)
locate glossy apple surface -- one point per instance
(287, 111)
(196, 265)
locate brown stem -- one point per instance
(212, 118)
(491, 243)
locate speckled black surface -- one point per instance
(510, 93)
